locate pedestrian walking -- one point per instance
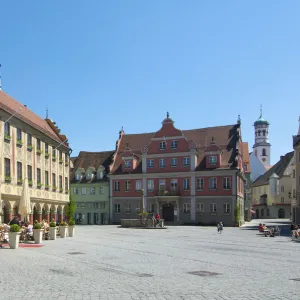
(218, 227)
(221, 227)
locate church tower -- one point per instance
(262, 147)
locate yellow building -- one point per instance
(271, 191)
(32, 148)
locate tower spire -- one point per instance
(261, 111)
(47, 112)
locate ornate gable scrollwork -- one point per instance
(192, 146)
(144, 150)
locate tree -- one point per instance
(71, 208)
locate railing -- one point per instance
(166, 193)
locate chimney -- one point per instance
(281, 157)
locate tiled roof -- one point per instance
(94, 160)
(246, 156)
(11, 106)
(225, 137)
(279, 169)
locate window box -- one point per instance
(19, 181)
(66, 164)
(67, 192)
(53, 158)
(20, 143)
(47, 187)
(29, 148)
(30, 183)
(47, 155)
(54, 188)
(212, 189)
(39, 151)
(7, 138)
(7, 179)
(61, 190)
(39, 185)
(61, 161)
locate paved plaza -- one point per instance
(107, 262)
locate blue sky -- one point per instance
(99, 65)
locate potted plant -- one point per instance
(14, 236)
(37, 232)
(39, 151)
(71, 228)
(47, 155)
(63, 226)
(52, 230)
(39, 185)
(29, 147)
(19, 143)
(7, 138)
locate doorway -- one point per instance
(95, 218)
(281, 213)
(89, 219)
(257, 213)
(168, 212)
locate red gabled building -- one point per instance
(188, 176)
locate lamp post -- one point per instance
(143, 201)
(292, 200)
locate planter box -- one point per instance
(14, 238)
(38, 236)
(52, 233)
(71, 230)
(63, 231)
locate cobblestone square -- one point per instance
(107, 262)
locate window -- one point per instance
(19, 134)
(127, 185)
(259, 132)
(245, 168)
(76, 191)
(186, 161)
(162, 145)
(138, 207)
(226, 208)
(117, 186)
(46, 148)
(294, 193)
(53, 180)
(282, 189)
(99, 174)
(102, 205)
(150, 163)
(93, 191)
(200, 208)
(53, 153)
(29, 172)
(213, 160)
(174, 144)
(226, 183)
(151, 208)
(138, 185)
(60, 182)
(200, 183)
(46, 178)
(162, 163)
(186, 184)
(117, 208)
(212, 183)
(127, 208)
(78, 176)
(282, 199)
(264, 133)
(66, 184)
(294, 173)
(213, 207)
(127, 164)
(174, 162)
(38, 175)
(150, 185)
(29, 140)
(101, 189)
(83, 191)
(60, 155)
(38, 144)
(7, 131)
(19, 172)
(264, 153)
(186, 208)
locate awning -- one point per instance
(253, 211)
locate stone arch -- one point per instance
(6, 211)
(262, 212)
(281, 213)
(45, 212)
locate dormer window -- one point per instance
(127, 164)
(162, 145)
(213, 160)
(100, 175)
(174, 144)
(78, 176)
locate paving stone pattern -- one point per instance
(190, 263)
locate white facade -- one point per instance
(262, 147)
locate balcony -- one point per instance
(166, 193)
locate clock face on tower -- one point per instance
(263, 159)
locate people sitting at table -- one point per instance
(260, 228)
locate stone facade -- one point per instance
(30, 151)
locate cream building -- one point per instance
(271, 192)
(32, 148)
(295, 197)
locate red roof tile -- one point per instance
(11, 106)
(246, 156)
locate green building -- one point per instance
(89, 186)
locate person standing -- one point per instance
(221, 227)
